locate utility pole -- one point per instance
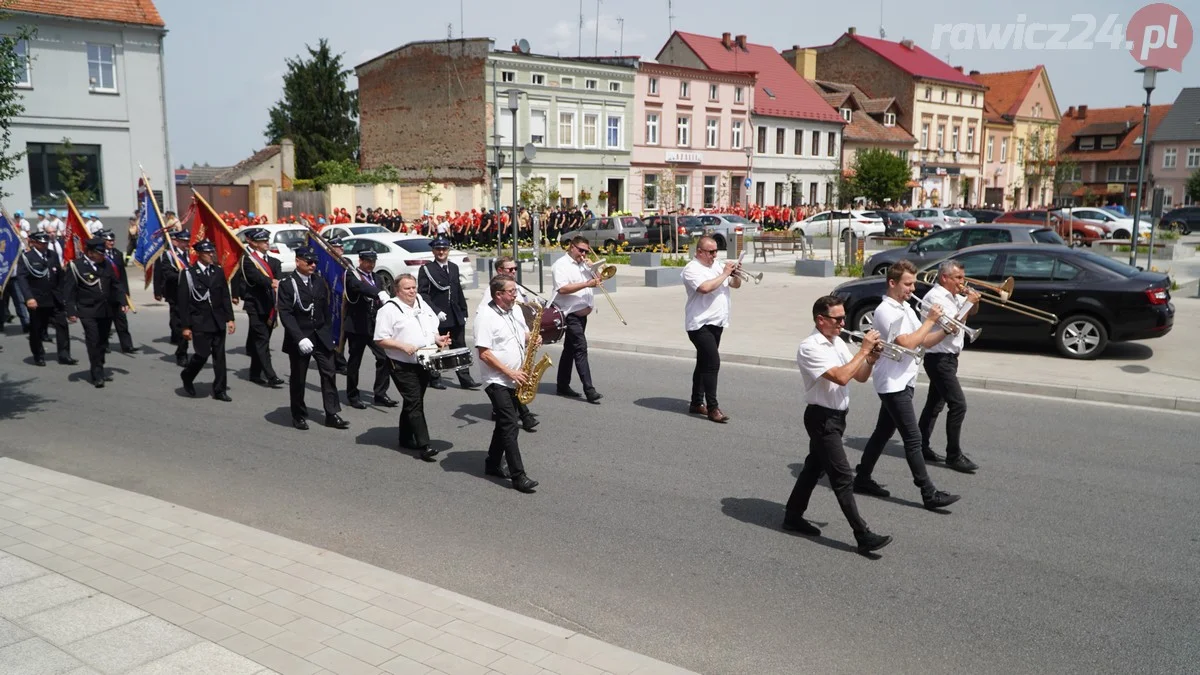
(596, 46)
(621, 22)
(580, 28)
(670, 18)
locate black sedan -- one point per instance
(940, 244)
(1096, 299)
(985, 215)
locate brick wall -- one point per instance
(852, 63)
(422, 109)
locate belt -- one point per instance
(829, 411)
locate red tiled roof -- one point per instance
(790, 95)
(141, 12)
(914, 61)
(1126, 150)
(1007, 90)
(878, 105)
(993, 116)
(836, 99)
(866, 129)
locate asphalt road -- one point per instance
(1075, 548)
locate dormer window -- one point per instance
(1087, 143)
(1108, 142)
(845, 114)
(889, 119)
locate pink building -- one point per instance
(691, 131)
(1175, 149)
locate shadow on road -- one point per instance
(473, 413)
(15, 402)
(470, 462)
(769, 515)
(664, 404)
(1116, 351)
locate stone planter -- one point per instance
(814, 268)
(645, 259)
(1171, 251)
(657, 277)
(549, 257)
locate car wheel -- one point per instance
(936, 228)
(610, 246)
(864, 319)
(845, 235)
(1180, 227)
(1076, 239)
(880, 270)
(1081, 336)
(385, 279)
(1122, 234)
(720, 241)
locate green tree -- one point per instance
(73, 175)
(879, 175)
(12, 70)
(1192, 189)
(317, 111)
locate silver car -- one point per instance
(939, 218)
(723, 226)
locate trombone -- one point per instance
(948, 323)
(603, 271)
(997, 296)
(889, 350)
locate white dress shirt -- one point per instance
(816, 355)
(415, 325)
(567, 271)
(521, 297)
(893, 319)
(505, 334)
(952, 306)
(703, 309)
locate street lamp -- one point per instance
(514, 104)
(749, 150)
(1149, 75)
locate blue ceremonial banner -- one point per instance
(151, 233)
(10, 248)
(331, 269)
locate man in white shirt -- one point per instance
(573, 284)
(895, 382)
(706, 316)
(23, 227)
(56, 226)
(941, 365)
(403, 325)
(826, 368)
(501, 338)
(506, 266)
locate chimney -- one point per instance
(725, 40)
(973, 72)
(1070, 112)
(1083, 112)
(852, 31)
(958, 68)
(804, 60)
(740, 41)
(907, 44)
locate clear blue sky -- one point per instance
(225, 58)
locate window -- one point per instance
(681, 188)
(974, 98)
(958, 97)
(928, 93)
(942, 95)
(1193, 158)
(652, 129)
(1122, 174)
(970, 139)
(946, 240)
(567, 82)
(45, 162)
(537, 127)
(799, 149)
(589, 84)
(846, 113)
(1168, 196)
(816, 143)
(1003, 150)
(889, 119)
(941, 136)
(780, 138)
(1029, 267)
(613, 129)
(650, 190)
(1037, 109)
(812, 194)
(983, 236)
(736, 142)
(1020, 151)
(591, 131)
(566, 130)
(538, 79)
(652, 86)
(22, 66)
(685, 89)
(762, 141)
(102, 71)
(710, 192)
(712, 135)
(779, 188)
(979, 265)
(683, 132)
(739, 95)
(713, 92)
(1108, 142)
(1087, 142)
(832, 144)
(1077, 174)
(508, 76)
(991, 145)
(614, 87)
(925, 135)
(954, 139)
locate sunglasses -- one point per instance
(835, 319)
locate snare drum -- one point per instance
(451, 359)
(553, 325)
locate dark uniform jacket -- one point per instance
(119, 265)
(430, 282)
(304, 312)
(166, 277)
(202, 299)
(254, 287)
(91, 290)
(40, 276)
(362, 302)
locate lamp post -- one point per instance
(514, 104)
(748, 183)
(1149, 75)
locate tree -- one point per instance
(73, 175)
(1064, 178)
(1038, 159)
(12, 69)
(1192, 188)
(879, 175)
(317, 111)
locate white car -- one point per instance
(285, 239)
(837, 223)
(403, 254)
(352, 230)
(1116, 225)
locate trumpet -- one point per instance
(889, 350)
(948, 323)
(746, 276)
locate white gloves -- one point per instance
(306, 346)
(383, 296)
(441, 316)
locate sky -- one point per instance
(225, 59)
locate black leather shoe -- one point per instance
(300, 423)
(523, 483)
(386, 402)
(39, 362)
(467, 382)
(931, 456)
(801, 526)
(222, 396)
(428, 453)
(568, 392)
(358, 405)
(99, 384)
(498, 472)
(336, 422)
(528, 423)
(275, 382)
(961, 463)
(940, 499)
(188, 385)
(593, 396)
(259, 381)
(107, 378)
(869, 541)
(437, 383)
(131, 350)
(867, 486)
(69, 361)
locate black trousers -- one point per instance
(896, 412)
(40, 320)
(356, 345)
(258, 346)
(95, 336)
(299, 373)
(504, 436)
(176, 326)
(826, 455)
(575, 352)
(707, 340)
(208, 343)
(944, 389)
(411, 382)
(120, 324)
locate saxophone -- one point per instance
(533, 369)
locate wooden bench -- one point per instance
(782, 241)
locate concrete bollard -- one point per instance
(814, 268)
(658, 277)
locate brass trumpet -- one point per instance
(889, 350)
(948, 323)
(746, 276)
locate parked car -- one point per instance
(939, 218)
(1184, 220)
(673, 231)
(896, 223)
(403, 254)
(1097, 300)
(985, 215)
(839, 223)
(938, 245)
(1116, 226)
(285, 239)
(351, 230)
(606, 232)
(1067, 227)
(722, 227)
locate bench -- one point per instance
(787, 242)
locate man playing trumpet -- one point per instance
(706, 315)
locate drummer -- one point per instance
(507, 267)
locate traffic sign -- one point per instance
(747, 183)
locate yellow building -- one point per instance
(1021, 119)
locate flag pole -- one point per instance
(196, 197)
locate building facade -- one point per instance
(1021, 118)
(93, 91)
(797, 137)
(1175, 149)
(1104, 145)
(691, 127)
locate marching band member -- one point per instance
(573, 284)
(506, 266)
(364, 296)
(895, 382)
(90, 292)
(308, 334)
(120, 268)
(258, 291)
(206, 317)
(706, 315)
(439, 284)
(39, 279)
(941, 365)
(501, 338)
(404, 325)
(166, 287)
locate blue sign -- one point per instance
(10, 248)
(747, 183)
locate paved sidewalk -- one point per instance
(94, 579)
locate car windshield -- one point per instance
(736, 219)
(367, 229)
(1107, 263)
(1046, 237)
(959, 213)
(904, 215)
(293, 239)
(690, 221)
(417, 245)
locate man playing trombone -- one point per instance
(895, 382)
(706, 315)
(941, 365)
(573, 296)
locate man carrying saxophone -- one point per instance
(941, 365)
(503, 341)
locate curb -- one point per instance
(1151, 401)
